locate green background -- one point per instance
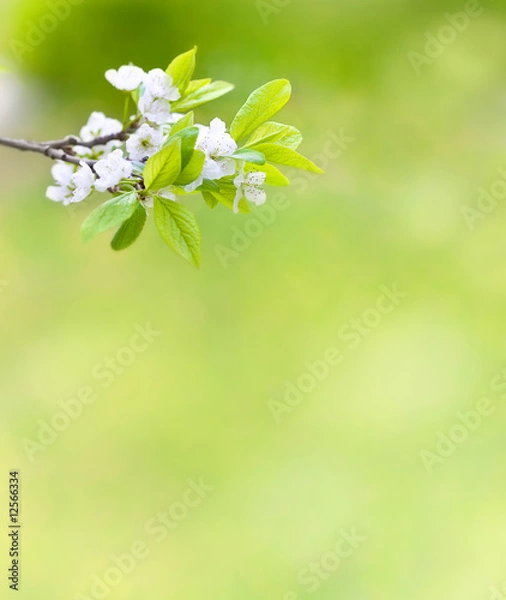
(195, 403)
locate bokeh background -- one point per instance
(195, 404)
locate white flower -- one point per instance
(214, 140)
(217, 145)
(83, 180)
(61, 192)
(99, 125)
(248, 185)
(159, 83)
(111, 170)
(146, 141)
(72, 186)
(155, 103)
(127, 78)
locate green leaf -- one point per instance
(186, 121)
(205, 94)
(251, 156)
(210, 199)
(193, 169)
(274, 176)
(188, 137)
(164, 167)
(188, 140)
(286, 156)
(196, 84)
(108, 215)
(131, 229)
(209, 186)
(179, 229)
(263, 103)
(181, 69)
(271, 132)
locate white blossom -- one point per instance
(146, 141)
(217, 145)
(160, 84)
(83, 180)
(71, 186)
(127, 78)
(159, 92)
(214, 140)
(111, 170)
(248, 185)
(99, 125)
(62, 174)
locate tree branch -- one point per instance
(63, 149)
(72, 140)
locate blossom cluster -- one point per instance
(158, 155)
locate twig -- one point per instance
(63, 149)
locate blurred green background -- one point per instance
(195, 403)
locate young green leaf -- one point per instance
(263, 103)
(193, 169)
(286, 156)
(164, 167)
(179, 229)
(272, 132)
(186, 121)
(209, 186)
(196, 84)
(181, 69)
(188, 137)
(210, 200)
(108, 215)
(249, 155)
(205, 94)
(130, 230)
(274, 176)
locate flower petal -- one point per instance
(255, 195)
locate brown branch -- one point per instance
(63, 149)
(54, 153)
(72, 140)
